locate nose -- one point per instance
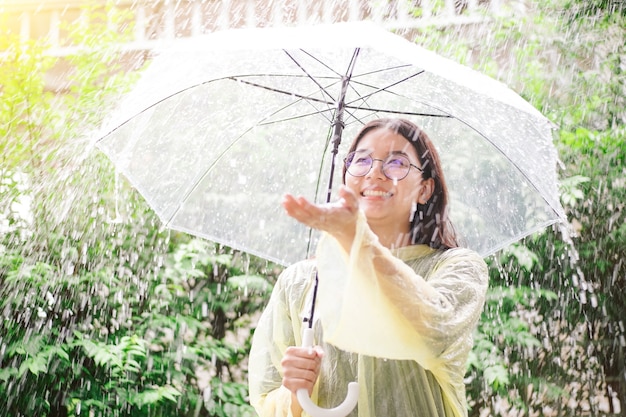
(377, 170)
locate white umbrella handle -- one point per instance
(307, 405)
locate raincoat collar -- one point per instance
(406, 253)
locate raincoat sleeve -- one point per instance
(373, 303)
(279, 327)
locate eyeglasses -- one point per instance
(395, 166)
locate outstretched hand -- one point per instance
(338, 219)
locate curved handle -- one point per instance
(307, 405)
(341, 410)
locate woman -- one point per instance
(398, 300)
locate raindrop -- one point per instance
(206, 394)
(617, 408)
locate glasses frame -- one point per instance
(345, 161)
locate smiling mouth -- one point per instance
(376, 193)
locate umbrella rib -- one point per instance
(313, 79)
(276, 90)
(378, 90)
(199, 178)
(310, 77)
(308, 99)
(394, 68)
(364, 98)
(408, 113)
(372, 110)
(385, 70)
(232, 78)
(348, 105)
(325, 65)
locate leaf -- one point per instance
(497, 376)
(250, 282)
(34, 365)
(149, 396)
(570, 189)
(153, 396)
(524, 256)
(6, 373)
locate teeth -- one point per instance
(376, 193)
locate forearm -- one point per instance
(435, 306)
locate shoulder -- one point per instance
(463, 261)
(455, 262)
(296, 271)
(460, 254)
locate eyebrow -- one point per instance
(390, 153)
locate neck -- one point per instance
(392, 239)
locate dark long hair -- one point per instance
(430, 224)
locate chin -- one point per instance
(374, 213)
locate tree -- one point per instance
(103, 311)
(536, 353)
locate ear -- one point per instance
(426, 191)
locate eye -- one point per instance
(397, 162)
(359, 159)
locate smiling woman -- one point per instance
(398, 300)
(429, 221)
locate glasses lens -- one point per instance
(396, 167)
(358, 163)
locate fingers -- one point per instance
(296, 207)
(322, 216)
(301, 366)
(304, 211)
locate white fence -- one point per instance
(167, 19)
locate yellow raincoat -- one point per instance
(403, 333)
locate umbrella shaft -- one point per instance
(338, 126)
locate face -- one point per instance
(387, 203)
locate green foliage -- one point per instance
(102, 344)
(505, 329)
(102, 312)
(581, 9)
(24, 104)
(566, 57)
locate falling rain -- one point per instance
(107, 311)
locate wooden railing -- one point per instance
(167, 19)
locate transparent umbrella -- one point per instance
(220, 126)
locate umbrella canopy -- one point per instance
(219, 127)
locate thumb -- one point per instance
(349, 197)
(319, 352)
